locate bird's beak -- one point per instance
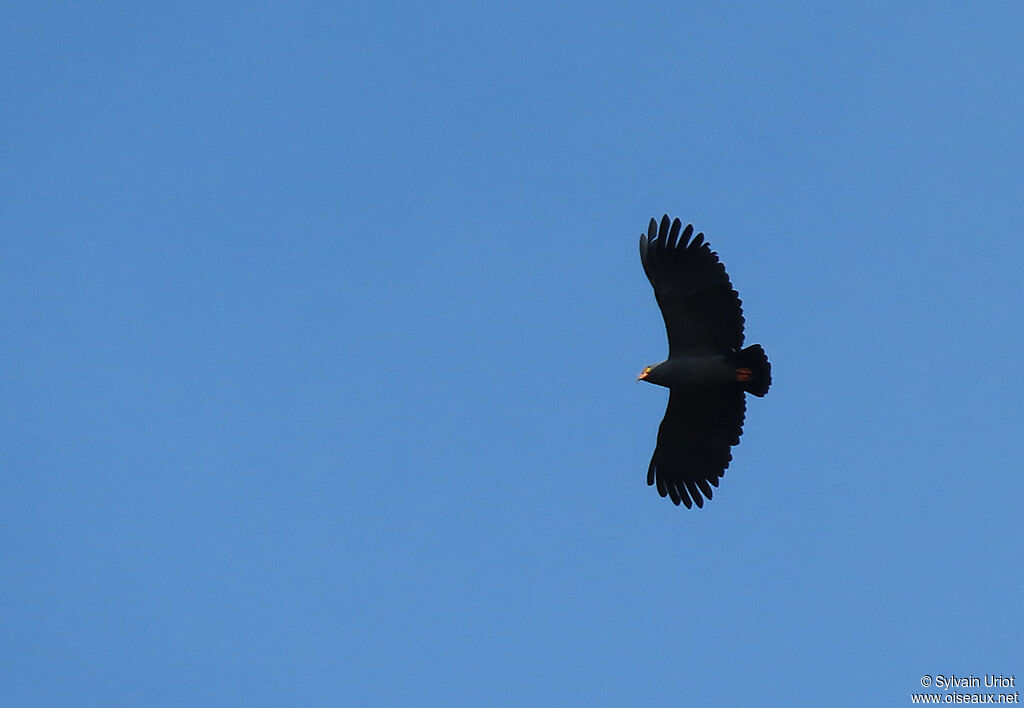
(643, 375)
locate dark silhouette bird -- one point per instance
(707, 372)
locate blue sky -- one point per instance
(320, 324)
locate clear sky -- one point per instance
(319, 324)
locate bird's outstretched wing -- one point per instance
(703, 314)
(694, 442)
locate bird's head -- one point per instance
(650, 374)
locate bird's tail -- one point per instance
(752, 369)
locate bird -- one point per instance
(708, 372)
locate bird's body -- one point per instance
(708, 372)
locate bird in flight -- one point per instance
(707, 373)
